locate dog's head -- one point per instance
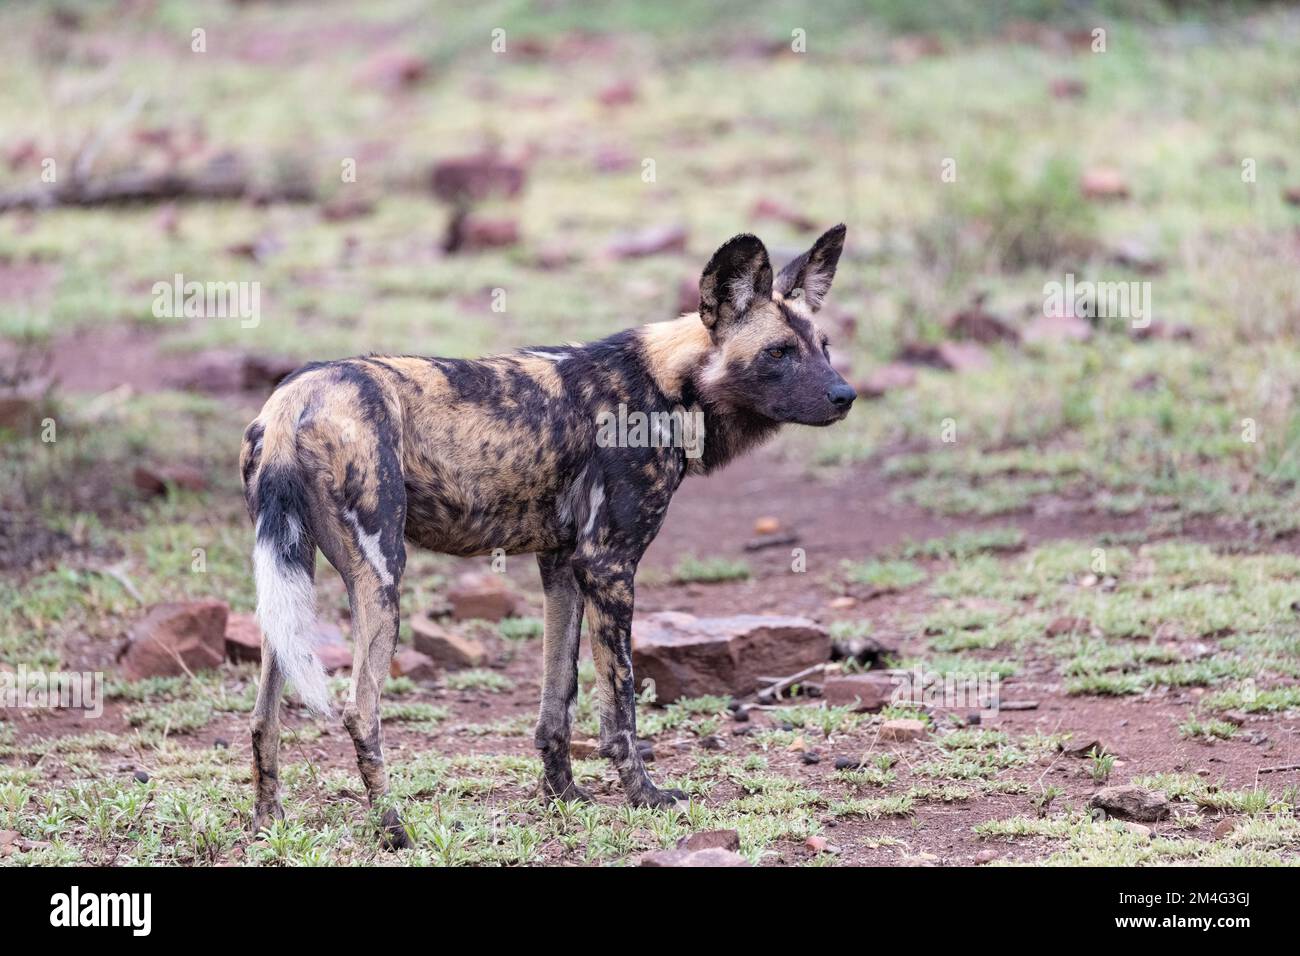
(770, 356)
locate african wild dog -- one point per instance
(357, 456)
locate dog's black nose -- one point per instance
(842, 395)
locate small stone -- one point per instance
(798, 745)
(767, 525)
(649, 242)
(1082, 747)
(903, 729)
(891, 377)
(482, 595)
(445, 647)
(583, 749)
(646, 751)
(408, 662)
(811, 757)
(713, 742)
(741, 715)
(1018, 705)
(863, 692)
(986, 856)
(1138, 830)
(1068, 88)
(1103, 183)
(843, 603)
(817, 844)
(1224, 827)
(710, 840)
(140, 776)
(159, 479)
(1131, 803)
(221, 743)
(1069, 625)
(847, 763)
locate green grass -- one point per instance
(709, 570)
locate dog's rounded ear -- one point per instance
(738, 276)
(813, 271)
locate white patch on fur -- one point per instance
(556, 357)
(740, 292)
(286, 610)
(596, 500)
(369, 544)
(815, 287)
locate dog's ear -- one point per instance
(738, 277)
(813, 271)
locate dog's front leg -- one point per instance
(606, 583)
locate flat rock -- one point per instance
(482, 595)
(1131, 803)
(862, 692)
(444, 646)
(584, 749)
(707, 858)
(158, 479)
(688, 656)
(903, 729)
(710, 840)
(891, 377)
(175, 637)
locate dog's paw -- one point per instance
(264, 814)
(565, 791)
(651, 796)
(393, 834)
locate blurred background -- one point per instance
(426, 178)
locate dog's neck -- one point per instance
(677, 355)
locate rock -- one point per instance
(810, 757)
(1235, 717)
(23, 406)
(709, 858)
(192, 633)
(445, 647)
(584, 749)
(243, 639)
(482, 595)
(1221, 829)
(1292, 195)
(157, 479)
(863, 692)
(848, 763)
(950, 356)
(1139, 830)
(1068, 88)
(779, 212)
(687, 656)
(713, 742)
(843, 602)
(140, 776)
(480, 232)
(345, 208)
(1057, 329)
(1102, 182)
(903, 729)
(394, 70)
(1018, 705)
(463, 180)
(767, 525)
(619, 93)
(986, 856)
(819, 844)
(1131, 803)
(979, 325)
(649, 242)
(332, 648)
(408, 662)
(892, 377)
(9, 837)
(1082, 748)
(1069, 625)
(710, 840)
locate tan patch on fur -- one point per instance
(674, 349)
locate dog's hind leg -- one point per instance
(266, 745)
(374, 635)
(563, 624)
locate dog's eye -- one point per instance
(826, 350)
(776, 353)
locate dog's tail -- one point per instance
(284, 556)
